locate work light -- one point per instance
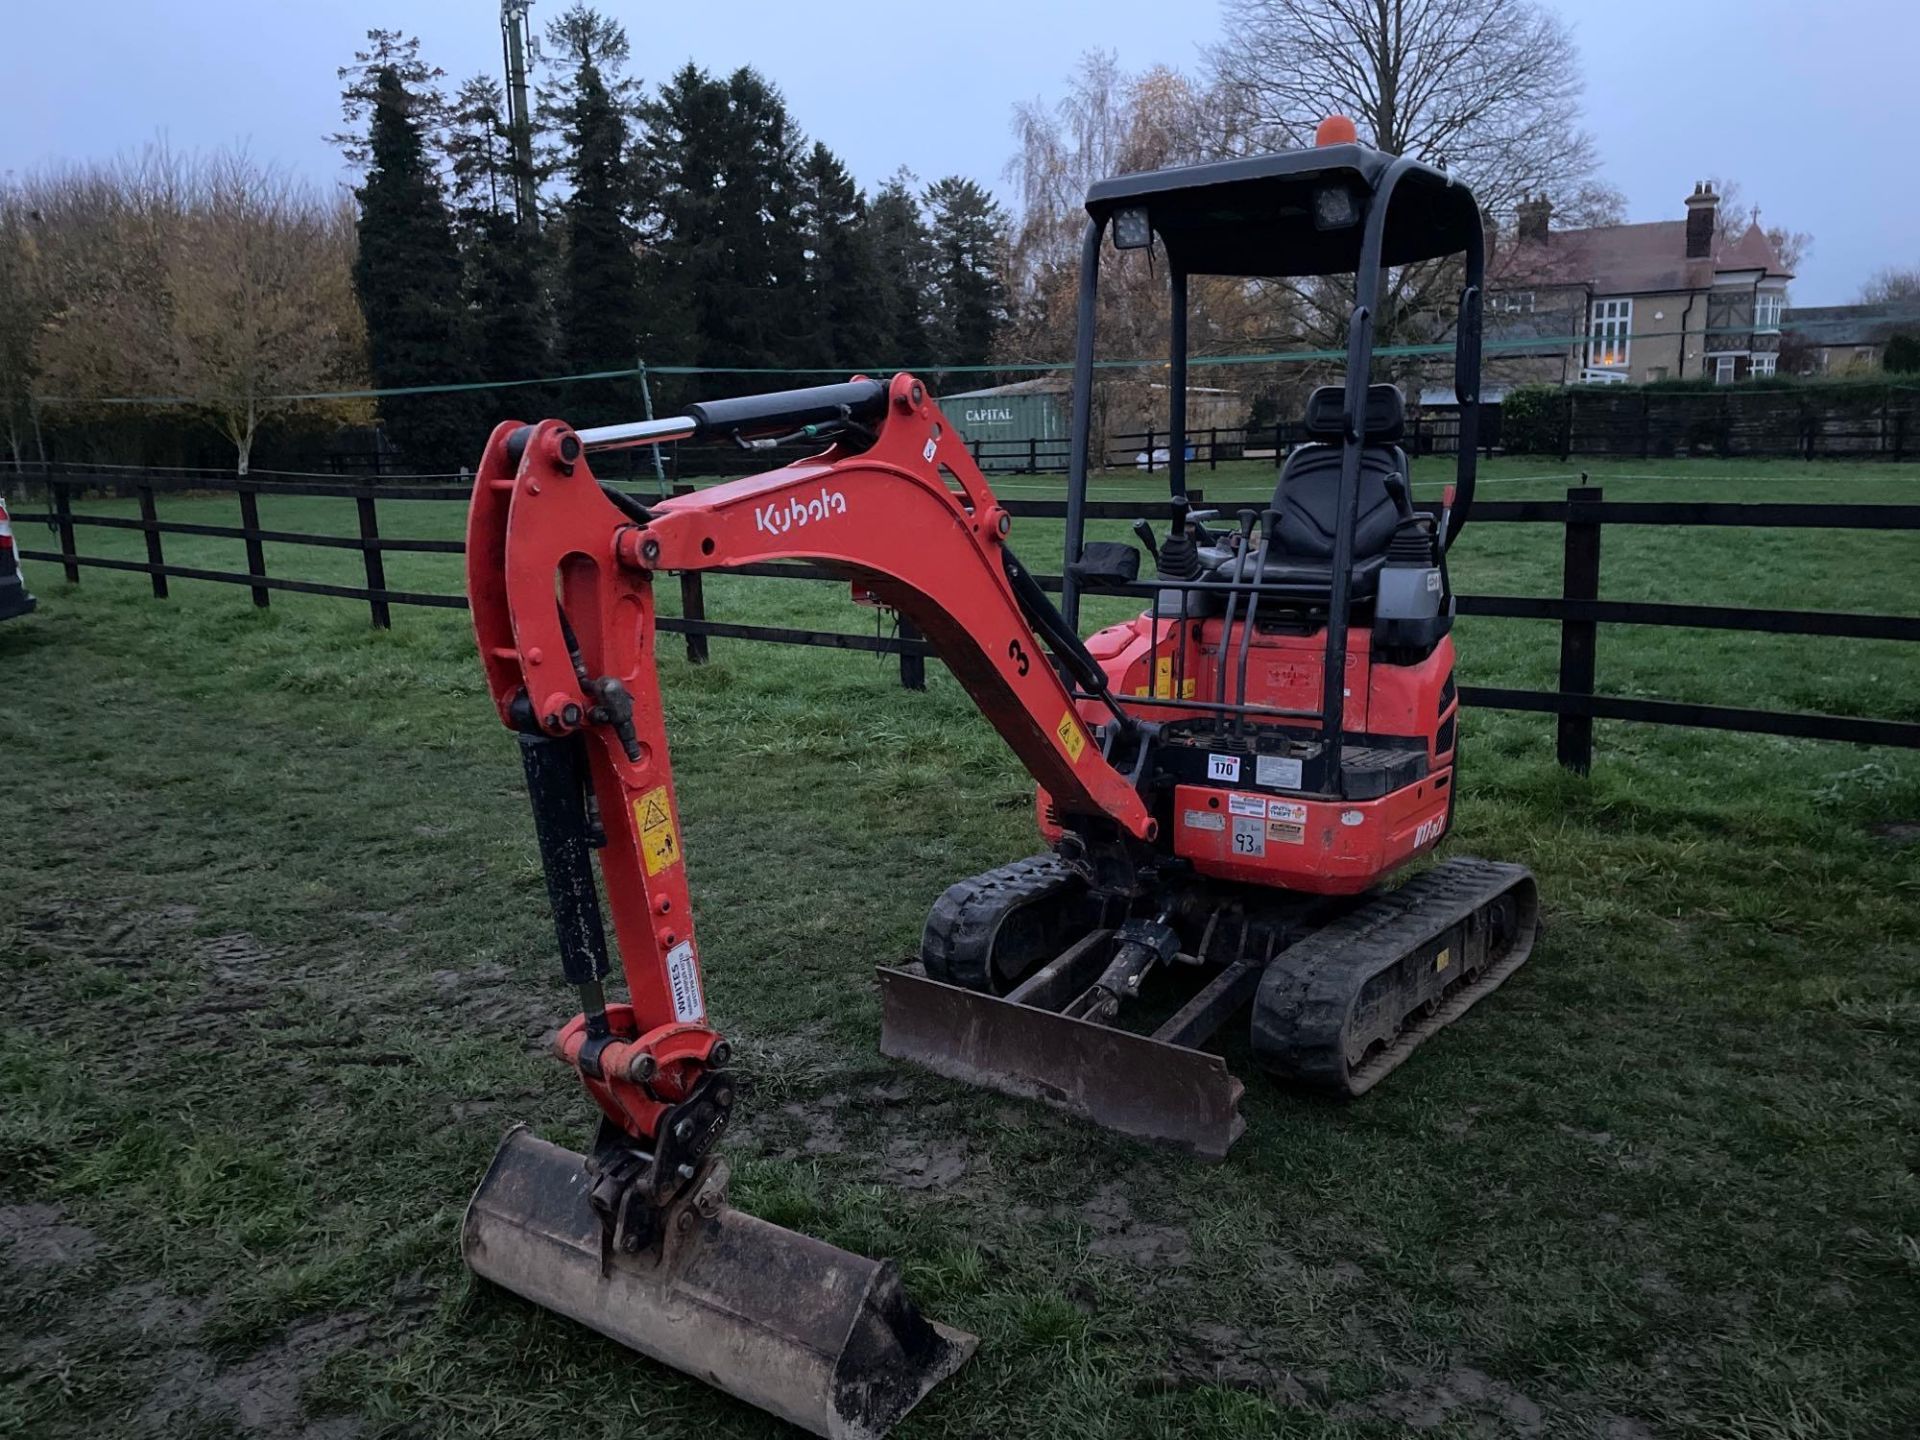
(1131, 228)
(1333, 208)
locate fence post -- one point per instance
(913, 665)
(156, 563)
(1213, 447)
(693, 606)
(976, 452)
(256, 552)
(63, 511)
(1150, 450)
(1580, 580)
(376, 565)
(1033, 455)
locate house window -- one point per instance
(1765, 364)
(1723, 369)
(1607, 343)
(1767, 306)
(1516, 302)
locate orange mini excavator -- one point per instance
(1228, 782)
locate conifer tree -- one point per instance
(844, 326)
(903, 253)
(968, 230)
(503, 258)
(720, 186)
(598, 305)
(407, 270)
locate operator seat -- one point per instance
(1300, 563)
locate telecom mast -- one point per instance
(517, 43)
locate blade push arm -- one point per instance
(560, 583)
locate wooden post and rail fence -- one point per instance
(1582, 515)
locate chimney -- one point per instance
(1532, 217)
(1703, 209)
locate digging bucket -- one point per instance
(820, 1337)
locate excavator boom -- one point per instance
(637, 1239)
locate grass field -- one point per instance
(279, 970)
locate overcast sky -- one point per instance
(1809, 103)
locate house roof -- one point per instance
(1059, 383)
(1040, 385)
(1852, 324)
(1632, 259)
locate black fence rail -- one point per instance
(1208, 447)
(1582, 517)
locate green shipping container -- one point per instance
(1014, 431)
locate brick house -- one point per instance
(1670, 299)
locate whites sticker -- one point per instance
(684, 979)
(1249, 837)
(1286, 822)
(1223, 767)
(1277, 772)
(1204, 820)
(1246, 804)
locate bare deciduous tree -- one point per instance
(23, 306)
(1893, 283)
(102, 233)
(1488, 88)
(155, 280)
(1109, 123)
(259, 275)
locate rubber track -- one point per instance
(957, 945)
(1301, 1012)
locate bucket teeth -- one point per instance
(814, 1334)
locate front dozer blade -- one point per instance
(822, 1338)
(1138, 1085)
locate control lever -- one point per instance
(1248, 519)
(1269, 525)
(1144, 529)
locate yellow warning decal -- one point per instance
(659, 844)
(1443, 959)
(1163, 680)
(1071, 736)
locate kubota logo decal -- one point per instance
(777, 519)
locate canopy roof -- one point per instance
(1256, 216)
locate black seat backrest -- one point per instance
(1385, 420)
(1308, 494)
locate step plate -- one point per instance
(1131, 1083)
